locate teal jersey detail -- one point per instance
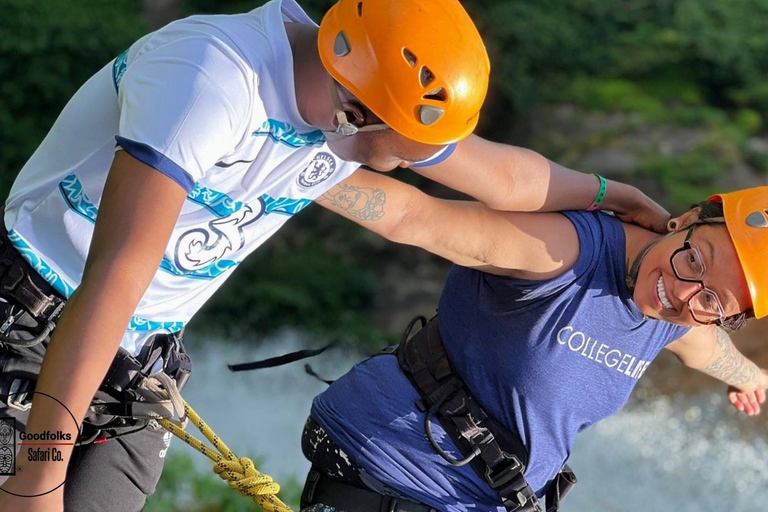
(66, 290)
(40, 266)
(72, 192)
(118, 69)
(284, 205)
(284, 133)
(218, 203)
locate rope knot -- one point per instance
(241, 474)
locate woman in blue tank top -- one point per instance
(549, 319)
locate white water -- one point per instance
(681, 455)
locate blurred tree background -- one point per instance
(670, 95)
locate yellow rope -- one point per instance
(240, 473)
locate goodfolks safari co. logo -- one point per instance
(7, 446)
(22, 450)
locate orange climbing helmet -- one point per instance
(746, 216)
(419, 65)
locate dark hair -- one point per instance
(712, 213)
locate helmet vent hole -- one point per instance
(438, 94)
(341, 46)
(429, 114)
(757, 219)
(360, 9)
(410, 57)
(426, 76)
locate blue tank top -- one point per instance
(546, 358)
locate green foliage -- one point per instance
(47, 50)
(184, 488)
(612, 94)
(315, 8)
(689, 178)
(537, 48)
(748, 120)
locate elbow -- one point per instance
(406, 228)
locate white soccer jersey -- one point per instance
(208, 101)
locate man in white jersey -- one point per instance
(191, 148)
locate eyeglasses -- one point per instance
(688, 265)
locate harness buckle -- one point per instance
(505, 475)
(17, 395)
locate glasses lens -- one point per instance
(688, 264)
(706, 307)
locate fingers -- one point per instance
(748, 403)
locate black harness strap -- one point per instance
(493, 451)
(320, 488)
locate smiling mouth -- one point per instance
(662, 294)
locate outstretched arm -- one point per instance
(468, 233)
(710, 350)
(510, 178)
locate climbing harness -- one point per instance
(494, 452)
(130, 397)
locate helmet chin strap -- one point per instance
(345, 128)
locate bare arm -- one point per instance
(137, 213)
(515, 179)
(468, 233)
(710, 350)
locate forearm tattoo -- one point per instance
(362, 203)
(731, 366)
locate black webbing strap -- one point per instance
(18, 282)
(322, 489)
(494, 452)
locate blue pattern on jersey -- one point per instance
(221, 205)
(66, 290)
(72, 191)
(39, 265)
(142, 324)
(284, 205)
(284, 133)
(118, 68)
(218, 203)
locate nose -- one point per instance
(684, 290)
(405, 163)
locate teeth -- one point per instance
(662, 294)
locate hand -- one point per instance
(749, 402)
(35, 481)
(51, 502)
(645, 212)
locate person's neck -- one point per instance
(309, 76)
(636, 240)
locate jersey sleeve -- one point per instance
(439, 157)
(183, 106)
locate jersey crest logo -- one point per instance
(200, 247)
(319, 169)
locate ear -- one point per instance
(682, 222)
(354, 112)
